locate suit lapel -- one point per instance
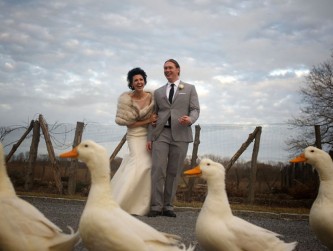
(163, 94)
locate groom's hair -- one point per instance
(174, 62)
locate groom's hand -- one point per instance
(185, 120)
(149, 145)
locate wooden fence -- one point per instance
(288, 178)
(36, 126)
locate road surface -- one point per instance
(292, 227)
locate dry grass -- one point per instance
(49, 195)
(248, 207)
(193, 204)
(260, 208)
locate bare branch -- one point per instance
(317, 108)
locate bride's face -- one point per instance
(138, 82)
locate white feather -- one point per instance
(24, 227)
(321, 213)
(103, 224)
(217, 229)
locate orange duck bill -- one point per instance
(70, 154)
(300, 158)
(196, 171)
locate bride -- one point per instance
(131, 184)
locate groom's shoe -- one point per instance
(154, 213)
(169, 213)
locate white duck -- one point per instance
(321, 213)
(23, 227)
(217, 229)
(103, 224)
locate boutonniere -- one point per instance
(181, 87)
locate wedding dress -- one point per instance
(131, 184)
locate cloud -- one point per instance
(285, 72)
(68, 59)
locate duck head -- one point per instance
(88, 152)
(207, 169)
(317, 158)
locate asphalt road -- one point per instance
(291, 227)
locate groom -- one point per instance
(177, 106)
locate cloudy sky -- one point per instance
(68, 60)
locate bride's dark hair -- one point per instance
(132, 73)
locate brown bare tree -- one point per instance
(316, 109)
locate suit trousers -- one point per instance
(168, 161)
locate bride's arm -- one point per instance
(138, 123)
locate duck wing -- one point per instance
(26, 218)
(24, 227)
(117, 230)
(251, 237)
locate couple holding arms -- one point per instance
(158, 133)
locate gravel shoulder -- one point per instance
(291, 227)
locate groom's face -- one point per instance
(171, 72)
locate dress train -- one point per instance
(131, 184)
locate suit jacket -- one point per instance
(185, 102)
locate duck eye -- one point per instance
(86, 145)
(208, 164)
(312, 151)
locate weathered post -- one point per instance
(254, 159)
(242, 149)
(15, 146)
(30, 173)
(318, 136)
(188, 194)
(74, 162)
(118, 148)
(55, 167)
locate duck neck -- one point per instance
(325, 174)
(325, 190)
(6, 187)
(100, 189)
(217, 199)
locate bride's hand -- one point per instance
(153, 119)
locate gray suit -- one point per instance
(170, 144)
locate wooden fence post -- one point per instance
(55, 167)
(119, 146)
(30, 173)
(15, 146)
(188, 194)
(242, 149)
(318, 136)
(254, 159)
(74, 162)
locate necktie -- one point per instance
(172, 90)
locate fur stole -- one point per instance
(128, 112)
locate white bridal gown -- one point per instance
(131, 184)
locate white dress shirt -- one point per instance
(169, 87)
